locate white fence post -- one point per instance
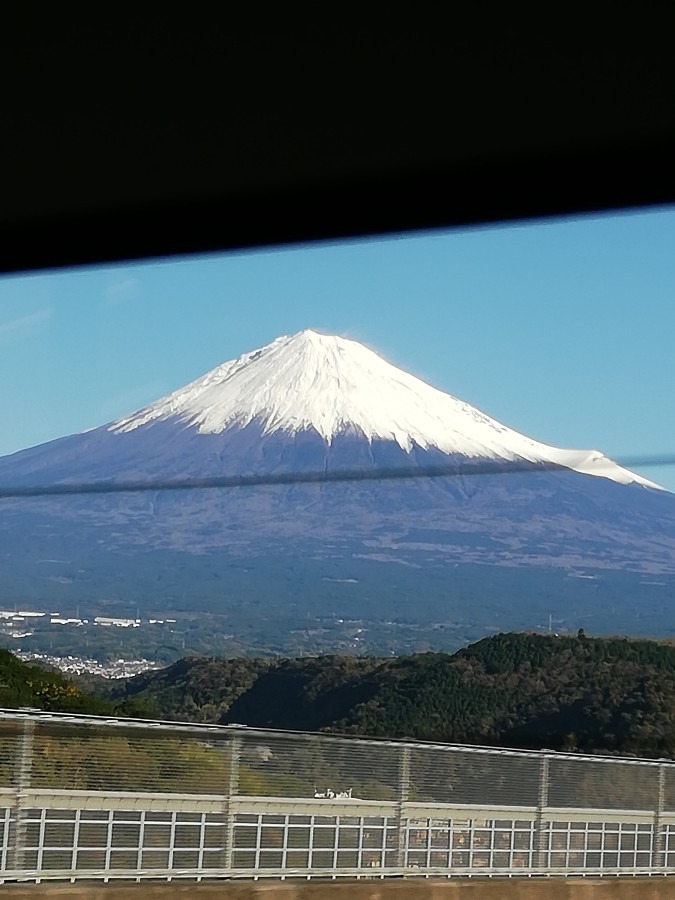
(22, 776)
(233, 758)
(658, 846)
(403, 796)
(540, 848)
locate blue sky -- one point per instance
(563, 330)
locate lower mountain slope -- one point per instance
(483, 552)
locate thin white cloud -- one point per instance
(22, 324)
(119, 291)
(126, 402)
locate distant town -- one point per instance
(19, 624)
(77, 665)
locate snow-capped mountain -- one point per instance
(333, 386)
(314, 403)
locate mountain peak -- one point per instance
(334, 385)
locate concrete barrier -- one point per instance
(653, 888)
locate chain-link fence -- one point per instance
(83, 797)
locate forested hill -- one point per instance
(523, 690)
(22, 685)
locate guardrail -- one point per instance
(89, 798)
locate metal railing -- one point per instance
(91, 798)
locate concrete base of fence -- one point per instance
(654, 888)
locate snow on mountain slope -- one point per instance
(337, 386)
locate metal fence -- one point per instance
(91, 798)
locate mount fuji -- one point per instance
(305, 410)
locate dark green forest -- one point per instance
(23, 685)
(613, 695)
(581, 693)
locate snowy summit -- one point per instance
(333, 385)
